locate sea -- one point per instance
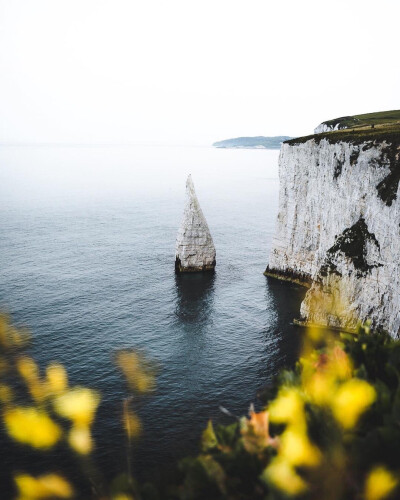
(87, 251)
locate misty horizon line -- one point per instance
(96, 143)
(112, 144)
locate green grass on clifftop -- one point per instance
(379, 118)
(384, 125)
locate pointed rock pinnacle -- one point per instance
(195, 249)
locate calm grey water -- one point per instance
(87, 262)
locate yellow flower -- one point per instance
(32, 426)
(315, 333)
(297, 450)
(4, 321)
(287, 407)
(78, 404)
(30, 373)
(132, 424)
(57, 378)
(283, 476)
(10, 337)
(380, 482)
(351, 400)
(38, 391)
(339, 364)
(80, 440)
(6, 394)
(320, 388)
(27, 369)
(137, 370)
(46, 486)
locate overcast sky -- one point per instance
(186, 72)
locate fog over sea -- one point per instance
(87, 240)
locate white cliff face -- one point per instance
(195, 249)
(324, 127)
(339, 225)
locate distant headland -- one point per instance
(259, 142)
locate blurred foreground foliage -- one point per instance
(329, 430)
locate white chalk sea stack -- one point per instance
(195, 250)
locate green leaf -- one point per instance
(209, 440)
(214, 471)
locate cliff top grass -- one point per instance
(380, 126)
(379, 118)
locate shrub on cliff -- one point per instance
(330, 429)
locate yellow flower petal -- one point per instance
(340, 364)
(10, 337)
(80, 440)
(351, 400)
(320, 388)
(30, 373)
(132, 424)
(57, 378)
(79, 405)
(38, 390)
(27, 369)
(138, 371)
(287, 407)
(380, 482)
(6, 394)
(32, 426)
(296, 448)
(283, 476)
(46, 486)
(315, 333)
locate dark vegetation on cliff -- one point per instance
(353, 244)
(253, 142)
(388, 133)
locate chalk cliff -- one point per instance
(195, 249)
(328, 127)
(338, 227)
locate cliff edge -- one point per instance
(338, 226)
(356, 121)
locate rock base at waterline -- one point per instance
(301, 279)
(179, 268)
(320, 326)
